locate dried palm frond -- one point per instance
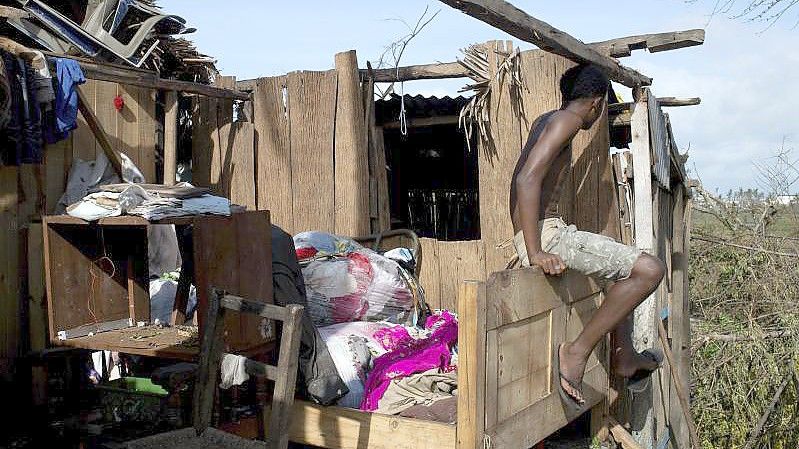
(475, 115)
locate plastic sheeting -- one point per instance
(346, 282)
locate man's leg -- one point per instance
(625, 359)
(620, 301)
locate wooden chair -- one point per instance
(284, 375)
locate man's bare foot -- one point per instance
(572, 369)
(627, 363)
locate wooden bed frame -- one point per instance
(510, 327)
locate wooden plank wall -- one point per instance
(445, 265)
(29, 191)
(310, 142)
(227, 147)
(587, 201)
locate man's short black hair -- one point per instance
(583, 81)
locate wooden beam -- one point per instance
(424, 121)
(622, 436)
(518, 23)
(662, 101)
(620, 47)
(421, 72)
(144, 78)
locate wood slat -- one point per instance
(273, 151)
(459, 262)
(126, 136)
(57, 161)
(285, 384)
(220, 127)
(320, 426)
(170, 137)
(103, 109)
(497, 159)
(379, 206)
(9, 267)
(471, 365)
(234, 174)
(203, 116)
(311, 97)
(147, 134)
(646, 313)
(83, 142)
(430, 275)
(351, 151)
(167, 343)
(37, 309)
(239, 304)
(524, 293)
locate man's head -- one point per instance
(584, 88)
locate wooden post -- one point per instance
(472, 365)
(351, 152)
(283, 398)
(207, 373)
(644, 332)
(170, 137)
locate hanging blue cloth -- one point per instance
(68, 77)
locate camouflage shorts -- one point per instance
(591, 254)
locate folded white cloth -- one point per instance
(134, 200)
(233, 371)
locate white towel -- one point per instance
(233, 371)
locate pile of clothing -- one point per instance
(398, 370)
(346, 282)
(393, 355)
(37, 106)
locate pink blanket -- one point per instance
(408, 356)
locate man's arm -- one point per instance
(557, 134)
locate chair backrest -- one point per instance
(284, 374)
(388, 240)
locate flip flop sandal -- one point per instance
(564, 395)
(639, 381)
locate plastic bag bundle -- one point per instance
(346, 282)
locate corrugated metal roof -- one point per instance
(418, 106)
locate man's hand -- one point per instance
(550, 263)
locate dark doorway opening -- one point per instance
(433, 173)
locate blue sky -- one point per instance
(747, 78)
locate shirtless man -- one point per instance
(542, 238)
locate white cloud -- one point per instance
(748, 99)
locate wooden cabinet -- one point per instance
(98, 281)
